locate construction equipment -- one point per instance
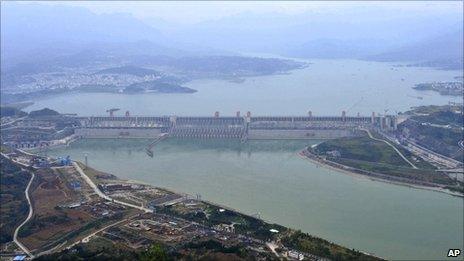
(112, 110)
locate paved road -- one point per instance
(272, 246)
(437, 157)
(11, 122)
(31, 212)
(388, 143)
(87, 238)
(91, 184)
(102, 195)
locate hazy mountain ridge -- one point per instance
(39, 32)
(323, 34)
(26, 27)
(133, 70)
(336, 49)
(238, 65)
(445, 51)
(42, 33)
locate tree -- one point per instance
(155, 253)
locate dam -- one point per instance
(230, 127)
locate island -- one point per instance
(444, 88)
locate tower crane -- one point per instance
(112, 110)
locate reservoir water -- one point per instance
(326, 87)
(269, 178)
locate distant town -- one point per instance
(444, 88)
(129, 75)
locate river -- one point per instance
(268, 177)
(326, 87)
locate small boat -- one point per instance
(417, 97)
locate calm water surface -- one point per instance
(326, 87)
(269, 178)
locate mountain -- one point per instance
(132, 70)
(33, 32)
(364, 30)
(337, 49)
(30, 26)
(444, 51)
(47, 59)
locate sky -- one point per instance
(289, 28)
(190, 12)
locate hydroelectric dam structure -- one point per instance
(232, 127)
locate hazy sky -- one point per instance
(192, 12)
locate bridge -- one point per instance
(149, 149)
(237, 127)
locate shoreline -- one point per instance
(437, 188)
(384, 180)
(132, 181)
(29, 101)
(95, 185)
(118, 179)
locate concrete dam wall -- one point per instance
(298, 134)
(118, 132)
(149, 133)
(261, 127)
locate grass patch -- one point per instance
(375, 156)
(426, 175)
(362, 148)
(323, 248)
(96, 176)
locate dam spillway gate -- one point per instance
(243, 128)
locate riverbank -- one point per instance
(279, 182)
(53, 144)
(306, 154)
(158, 201)
(277, 232)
